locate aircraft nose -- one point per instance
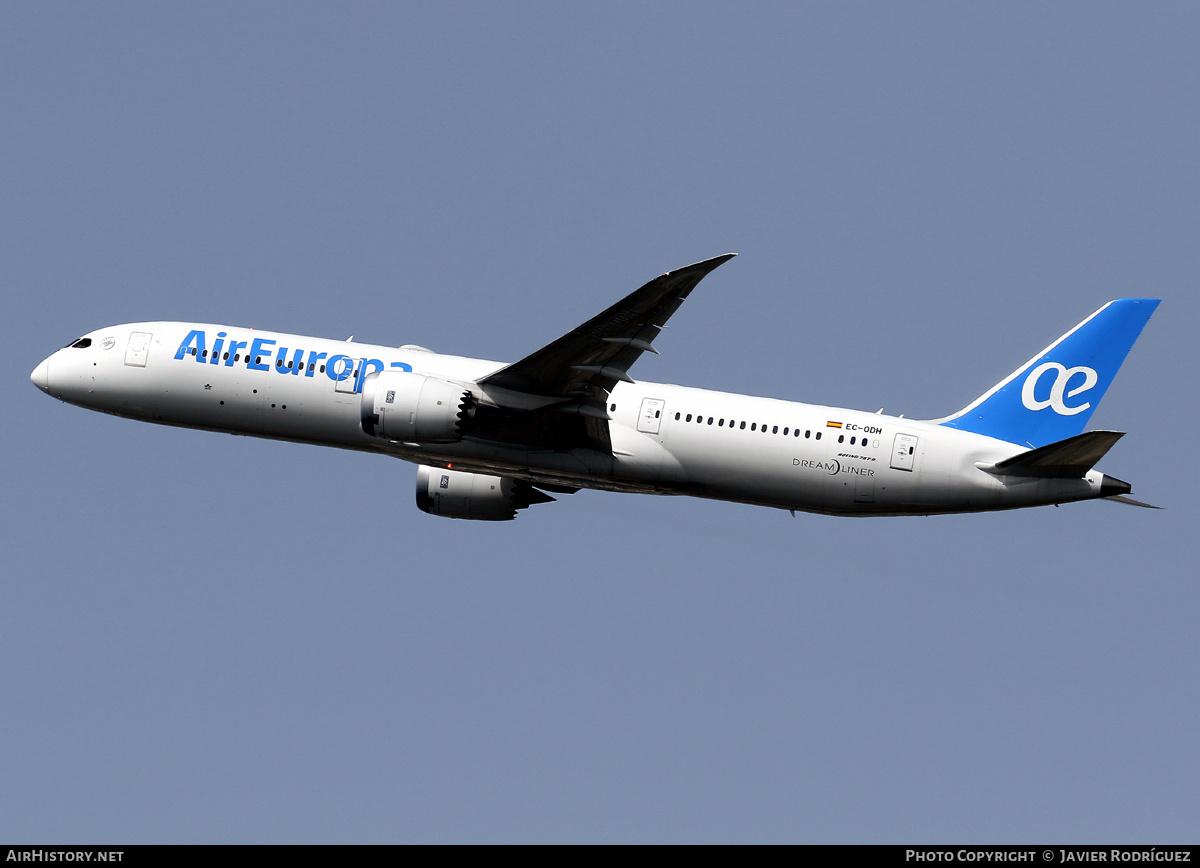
(41, 375)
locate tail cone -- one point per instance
(1110, 486)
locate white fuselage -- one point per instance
(665, 439)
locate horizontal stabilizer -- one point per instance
(1120, 498)
(1067, 459)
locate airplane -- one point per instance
(491, 439)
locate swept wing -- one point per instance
(556, 398)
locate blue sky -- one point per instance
(213, 638)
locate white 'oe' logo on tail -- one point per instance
(1056, 401)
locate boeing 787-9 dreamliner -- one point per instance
(490, 438)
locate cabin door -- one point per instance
(138, 349)
(650, 417)
(904, 452)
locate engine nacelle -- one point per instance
(460, 494)
(397, 405)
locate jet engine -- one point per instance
(398, 405)
(460, 494)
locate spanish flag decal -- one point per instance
(833, 424)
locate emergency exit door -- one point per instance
(904, 452)
(138, 349)
(650, 417)
(346, 376)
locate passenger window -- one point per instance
(742, 426)
(676, 417)
(774, 429)
(841, 438)
(818, 435)
(689, 418)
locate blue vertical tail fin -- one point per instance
(1052, 396)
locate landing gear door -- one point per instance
(904, 452)
(650, 417)
(138, 348)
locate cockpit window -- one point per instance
(82, 343)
